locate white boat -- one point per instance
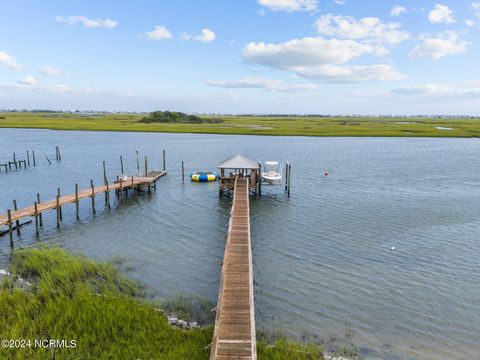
(272, 173)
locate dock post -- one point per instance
(15, 161)
(120, 191)
(40, 214)
(104, 173)
(17, 222)
(138, 164)
(77, 205)
(183, 173)
(10, 229)
(133, 187)
(93, 197)
(259, 179)
(107, 195)
(121, 165)
(49, 162)
(57, 154)
(286, 175)
(33, 158)
(289, 178)
(58, 211)
(149, 188)
(146, 166)
(164, 164)
(35, 205)
(28, 158)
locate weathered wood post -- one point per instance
(61, 213)
(133, 187)
(28, 158)
(146, 166)
(77, 205)
(120, 191)
(57, 153)
(15, 161)
(289, 178)
(35, 206)
(58, 211)
(93, 197)
(121, 164)
(164, 161)
(183, 173)
(104, 173)
(40, 214)
(10, 227)
(33, 158)
(286, 175)
(17, 222)
(138, 163)
(49, 162)
(107, 195)
(259, 180)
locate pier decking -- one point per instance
(34, 210)
(234, 336)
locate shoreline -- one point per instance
(254, 125)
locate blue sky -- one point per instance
(249, 56)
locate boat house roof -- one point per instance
(238, 162)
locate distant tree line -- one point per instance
(177, 118)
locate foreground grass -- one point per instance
(74, 298)
(253, 125)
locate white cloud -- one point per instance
(310, 51)
(475, 5)
(205, 36)
(441, 14)
(459, 91)
(159, 33)
(50, 70)
(470, 23)
(350, 74)
(340, 2)
(368, 28)
(289, 5)
(9, 61)
(318, 58)
(57, 88)
(28, 80)
(261, 83)
(439, 46)
(88, 23)
(397, 10)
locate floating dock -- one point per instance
(234, 336)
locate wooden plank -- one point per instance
(83, 194)
(234, 334)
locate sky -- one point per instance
(250, 56)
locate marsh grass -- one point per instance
(253, 125)
(74, 298)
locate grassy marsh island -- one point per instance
(172, 122)
(51, 294)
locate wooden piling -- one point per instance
(164, 161)
(107, 195)
(10, 227)
(33, 158)
(39, 215)
(104, 173)
(121, 164)
(28, 158)
(93, 197)
(49, 162)
(120, 191)
(146, 166)
(60, 210)
(289, 178)
(77, 205)
(183, 173)
(35, 204)
(17, 222)
(138, 164)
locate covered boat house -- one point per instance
(239, 167)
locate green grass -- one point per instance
(253, 125)
(74, 298)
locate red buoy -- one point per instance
(326, 173)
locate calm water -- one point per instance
(322, 258)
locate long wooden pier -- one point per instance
(38, 208)
(234, 336)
